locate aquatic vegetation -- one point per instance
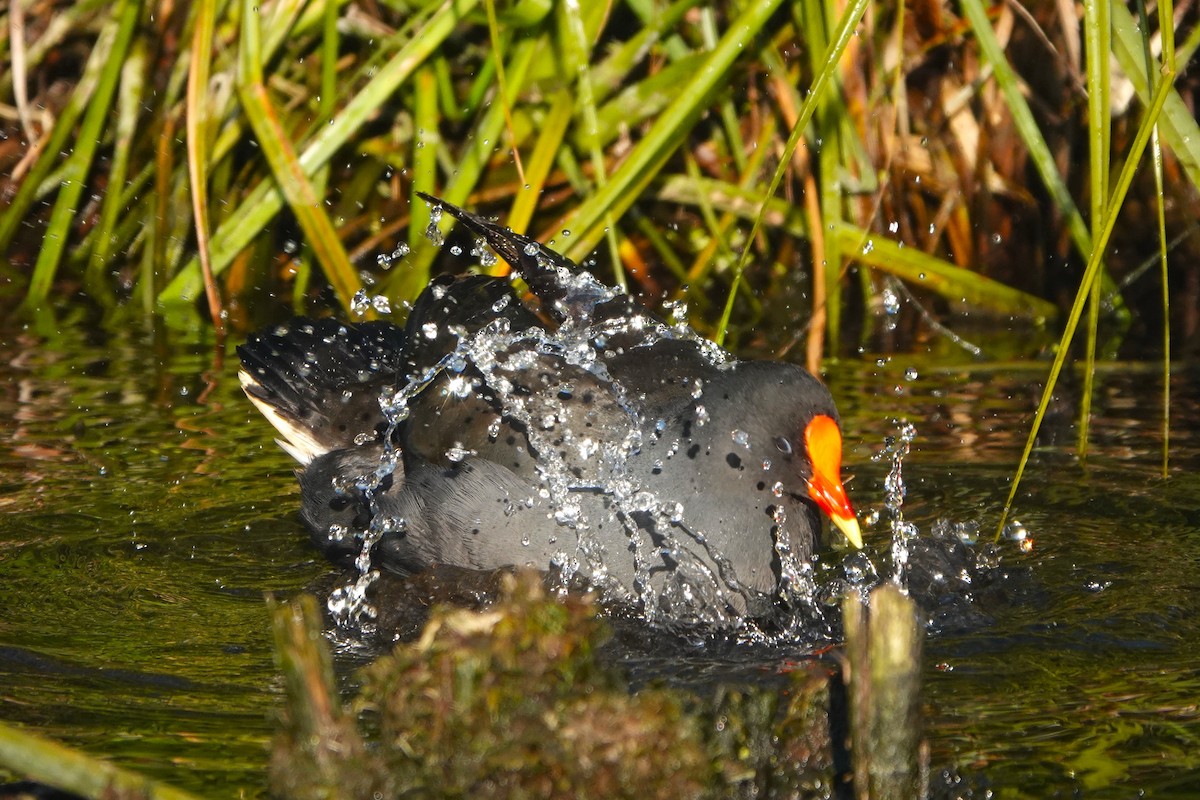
(513, 701)
(928, 145)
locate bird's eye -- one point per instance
(783, 445)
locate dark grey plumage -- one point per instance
(611, 445)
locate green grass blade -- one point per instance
(1157, 160)
(717, 233)
(614, 69)
(742, 201)
(730, 122)
(40, 759)
(639, 102)
(329, 57)
(109, 59)
(1039, 151)
(278, 20)
(1097, 29)
(665, 250)
(129, 104)
(550, 140)
(1166, 24)
(1090, 274)
(1178, 123)
(1188, 47)
(666, 134)
(933, 274)
(578, 45)
(285, 166)
(265, 201)
(426, 141)
(822, 80)
(922, 270)
(197, 152)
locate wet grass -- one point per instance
(186, 165)
(264, 141)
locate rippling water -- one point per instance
(141, 528)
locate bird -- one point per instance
(569, 429)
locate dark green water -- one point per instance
(140, 530)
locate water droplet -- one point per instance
(644, 501)
(1015, 531)
(891, 301)
(458, 453)
(432, 232)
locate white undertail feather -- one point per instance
(298, 442)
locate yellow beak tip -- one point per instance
(849, 528)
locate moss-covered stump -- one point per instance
(513, 702)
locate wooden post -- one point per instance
(319, 754)
(883, 650)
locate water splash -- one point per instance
(385, 260)
(895, 449)
(362, 302)
(348, 605)
(574, 463)
(432, 232)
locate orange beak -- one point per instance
(823, 441)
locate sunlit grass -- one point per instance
(721, 153)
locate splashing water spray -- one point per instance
(896, 448)
(695, 591)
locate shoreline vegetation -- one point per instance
(813, 179)
(284, 145)
(799, 173)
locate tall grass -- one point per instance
(152, 153)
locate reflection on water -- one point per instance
(141, 529)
